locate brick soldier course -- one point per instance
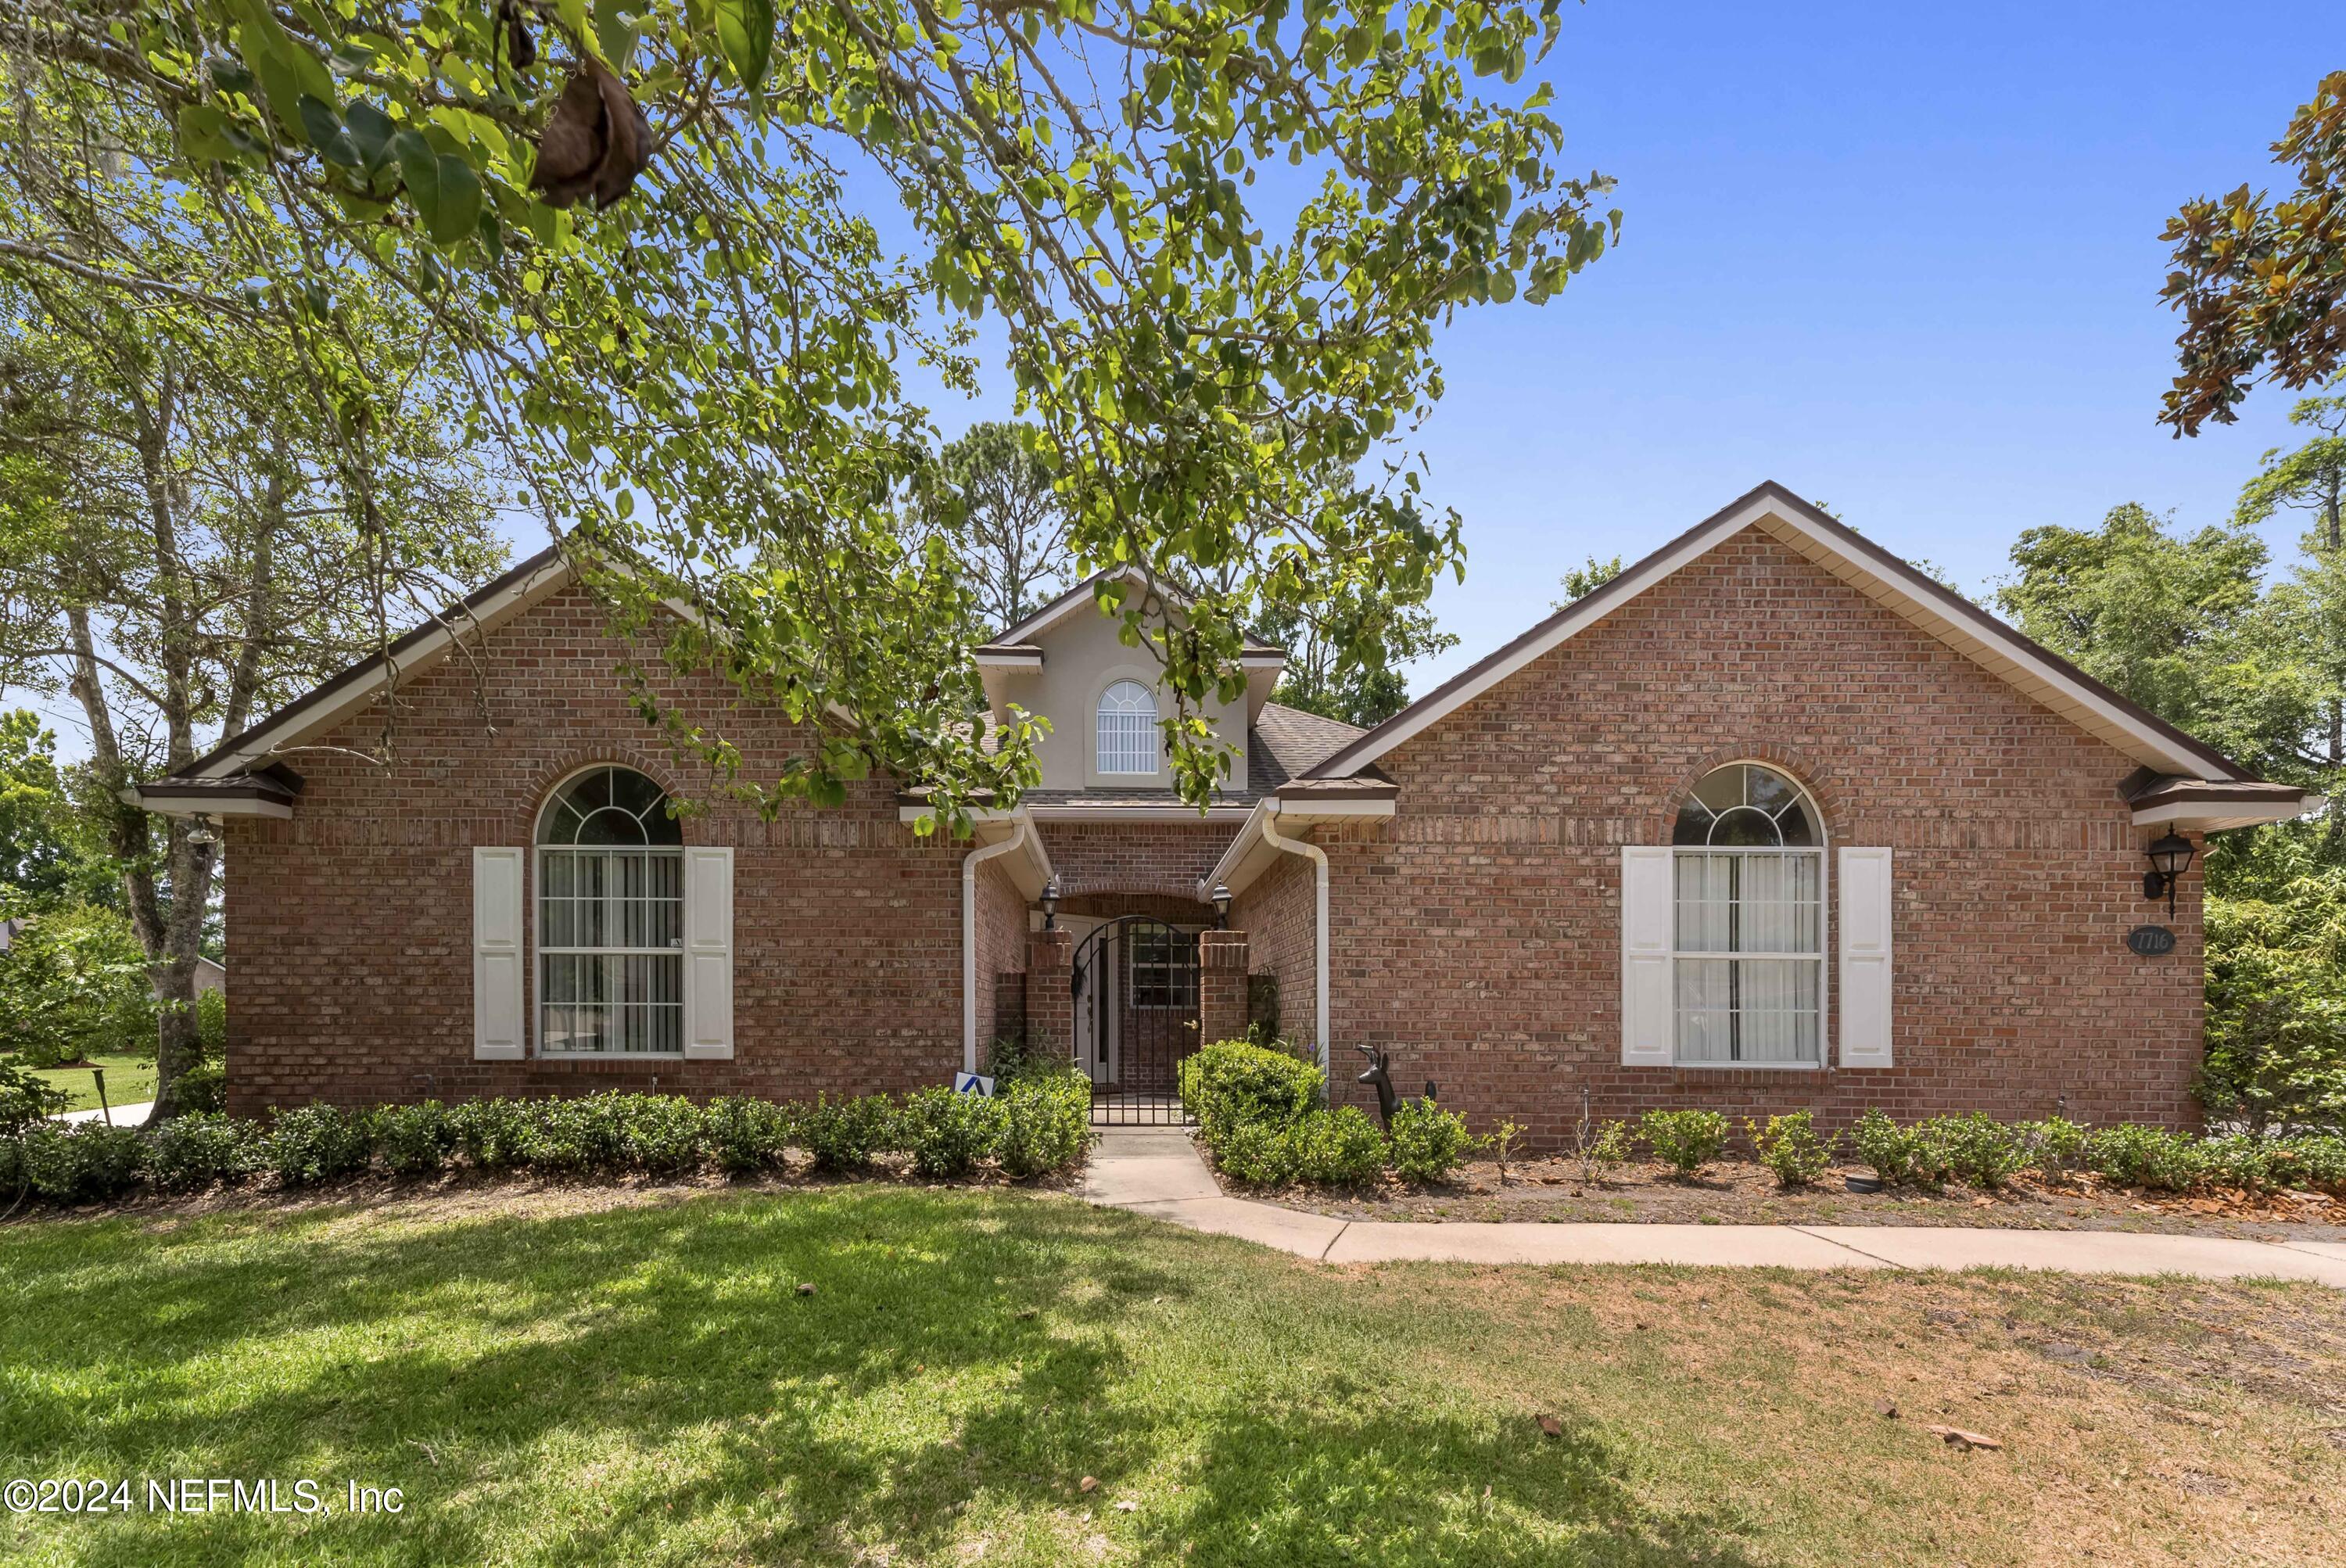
(1474, 855)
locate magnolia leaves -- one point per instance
(745, 32)
(597, 141)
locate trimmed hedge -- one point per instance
(1232, 1082)
(1040, 1122)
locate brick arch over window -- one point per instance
(1802, 767)
(546, 778)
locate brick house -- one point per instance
(1770, 820)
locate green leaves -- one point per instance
(745, 32)
(446, 193)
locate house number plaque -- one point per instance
(2150, 941)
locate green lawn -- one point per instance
(130, 1081)
(568, 1378)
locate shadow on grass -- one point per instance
(650, 1384)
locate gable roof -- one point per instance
(324, 706)
(1020, 638)
(1930, 605)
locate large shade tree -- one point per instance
(1215, 240)
(195, 525)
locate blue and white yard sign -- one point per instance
(973, 1083)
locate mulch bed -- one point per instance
(1741, 1191)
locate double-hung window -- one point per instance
(610, 901)
(1748, 919)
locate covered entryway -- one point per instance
(1135, 986)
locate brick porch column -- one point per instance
(1221, 986)
(1050, 1007)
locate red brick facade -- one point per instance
(1477, 934)
(350, 927)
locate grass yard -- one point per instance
(562, 1376)
(130, 1081)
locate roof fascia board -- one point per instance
(2209, 816)
(1939, 610)
(1070, 813)
(167, 803)
(527, 584)
(1058, 609)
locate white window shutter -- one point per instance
(708, 955)
(1865, 957)
(498, 1032)
(1649, 1021)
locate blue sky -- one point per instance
(1903, 258)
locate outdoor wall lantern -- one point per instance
(1051, 905)
(2170, 857)
(1221, 897)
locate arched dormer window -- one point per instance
(1128, 742)
(610, 918)
(1748, 955)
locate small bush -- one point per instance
(1429, 1144)
(495, 1134)
(580, 1136)
(26, 1099)
(843, 1135)
(1602, 1151)
(85, 1162)
(1977, 1147)
(1258, 1153)
(2146, 1157)
(1336, 1149)
(1046, 1121)
(1885, 1145)
(2055, 1146)
(1789, 1146)
(1232, 1082)
(663, 1133)
(189, 1153)
(745, 1135)
(203, 1088)
(2245, 1161)
(947, 1133)
(1686, 1141)
(319, 1143)
(414, 1140)
(2313, 1160)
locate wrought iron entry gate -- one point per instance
(1136, 1017)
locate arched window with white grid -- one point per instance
(611, 918)
(1128, 740)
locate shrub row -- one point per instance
(1039, 1122)
(1260, 1110)
(1984, 1153)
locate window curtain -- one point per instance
(1749, 1009)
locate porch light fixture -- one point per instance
(1221, 897)
(1051, 905)
(2170, 857)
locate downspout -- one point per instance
(969, 865)
(1319, 859)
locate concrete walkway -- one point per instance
(131, 1115)
(1156, 1171)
